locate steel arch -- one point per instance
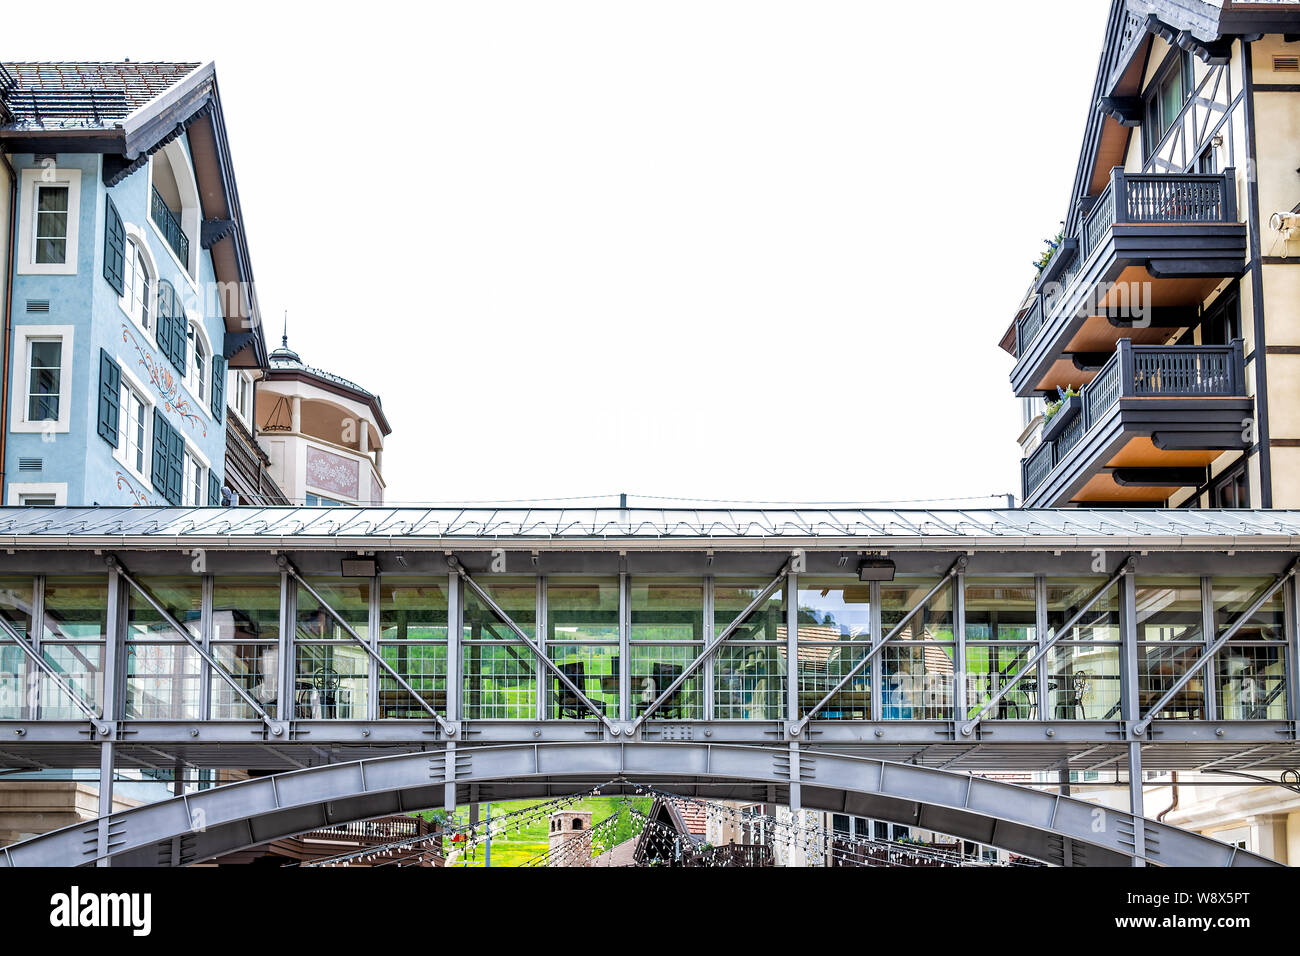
(1034, 823)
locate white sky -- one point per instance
(726, 250)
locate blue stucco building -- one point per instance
(128, 292)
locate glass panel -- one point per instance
(424, 667)
(1251, 682)
(1083, 681)
(1171, 640)
(594, 669)
(17, 698)
(350, 598)
(667, 609)
(990, 667)
(44, 376)
(749, 681)
(75, 628)
(917, 681)
(1169, 609)
(500, 681)
(82, 667)
(834, 609)
(412, 608)
(582, 609)
(516, 596)
(730, 597)
(162, 681)
(932, 623)
(1001, 609)
(654, 668)
(331, 681)
(1233, 598)
(182, 597)
(821, 666)
(500, 672)
(76, 608)
(246, 608)
(1064, 598)
(256, 666)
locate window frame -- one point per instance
(131, 384)
(18, 490)
(198, 374)
(24, 336)
(1180, 62)
(200, 477)
(136, 242)
(31, 180)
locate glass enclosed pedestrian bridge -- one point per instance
(329, 665)
(274, 638)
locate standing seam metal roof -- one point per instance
(407, 526)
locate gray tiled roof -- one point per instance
(82, 95)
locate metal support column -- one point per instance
(877, 636)
(959, 708)
(1044, 709)
(288, 616)
(624, 647)
(1292, 673)
(109, 707)
(792, 654)
(1207, 637)
(455, 628)
(796, 807)
(709, 630)
(1135, 802)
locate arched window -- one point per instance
(137, 288)
(577, 824)
(196, 361)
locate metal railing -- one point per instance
(1148, 371)
(166, 220)
(1134, 199)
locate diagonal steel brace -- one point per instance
(969, 726)
(798, 726)
(712, 649)
(508, 621)
(274, 726)
(1141, 726)
(102, 727)
(447, 727)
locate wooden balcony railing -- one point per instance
(1148, 371)
(166, 221)
(1131, 199)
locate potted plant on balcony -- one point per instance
(1059, 413)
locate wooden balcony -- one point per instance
(1150, 422)
(1145, 254)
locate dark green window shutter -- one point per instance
(110, 382)
(175, 467)
(218, 387)
(163, 322)
(171, 326)
(160, 432)
(114, 249)
(214, 489)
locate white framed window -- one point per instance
(47, 230)
(42, 378)
(138, 289)
(239, 386)
(36, 494)
(194, 494)
(134, 427)
(196, 362)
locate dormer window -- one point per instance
(1165, 98)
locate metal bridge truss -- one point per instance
(1045, 826)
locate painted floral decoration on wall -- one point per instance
(169, 388)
